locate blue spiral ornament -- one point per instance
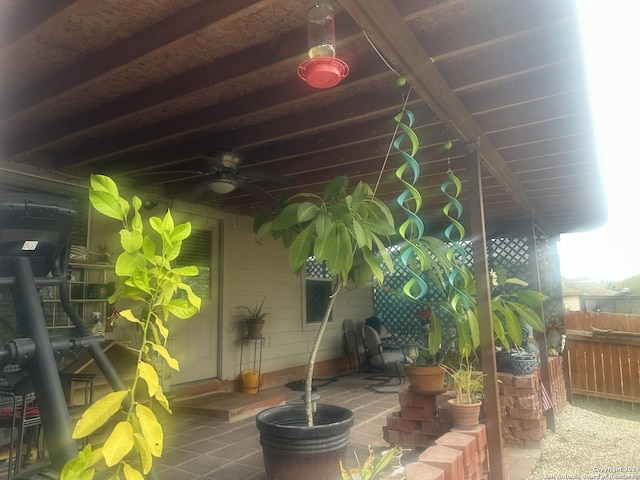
(410, 200)
(458, 278)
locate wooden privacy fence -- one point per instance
(603, 352)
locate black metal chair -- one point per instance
(351, 345)
(20, 414)
(390, 363)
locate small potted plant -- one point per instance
(254, 318)
(467, 394)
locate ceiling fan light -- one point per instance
(222, 186)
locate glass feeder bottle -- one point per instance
(321, 36)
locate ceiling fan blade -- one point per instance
(255, 175)
(195, 193)
(257, 192)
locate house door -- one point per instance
(194, 342)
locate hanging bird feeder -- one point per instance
(322, 69)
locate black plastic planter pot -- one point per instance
(293, 451)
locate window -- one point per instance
(196, 250)
(318, 287)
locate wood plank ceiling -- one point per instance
(140, 90)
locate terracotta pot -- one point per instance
(465, 415)
(428, 380)
(293, 451)
(254, 328)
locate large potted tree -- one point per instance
(350, 233)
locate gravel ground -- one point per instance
(589, 445)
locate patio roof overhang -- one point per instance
(140, 90)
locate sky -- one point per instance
(610, 31)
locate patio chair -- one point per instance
(389, 363)
(20, 414)
(351, 345)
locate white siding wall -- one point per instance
(249, 273)
(253, 271)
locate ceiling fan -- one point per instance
(222, 177)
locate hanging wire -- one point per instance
(379, 54)
(412, 229)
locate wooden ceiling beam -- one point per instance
(32, 13)
(382, 22)
(118, 56)
(286, 48)
(312, 120)
(259, 104)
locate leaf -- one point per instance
(510, 321)
(379, 226)
(162, 400)
(194, 299)
(261, 232)
(78, 468)
(189, 271)
(474, 328)
(362, 239)
(516, 281)
(335, 188)
(143, 451)
(287, 218)
(164, 353)
(161, 328)
(98, 413)
(322, 245)
(323, 223)
(167, 222)
(342, 258)
(181, 232)
(118, 444)
(300, 248)
(131, 241)
(182, 308)
(149, 249)
(374, 264)
(131, 473)
(151, 429)
(435, 336)
(156, 224)
(531, 298)
(104, 197)
(128, 263)
(307, 211)
(128, 315)
(529, 316)
(150, 376)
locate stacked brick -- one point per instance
(558, 385)
(523, 420)
(418, 422)
(458, 454)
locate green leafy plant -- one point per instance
(515, 308)
(254, 314)
(350, 232)
(467, 384)
(370, 469)
(147, 277)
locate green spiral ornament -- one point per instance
(410, 200)
(458, 278)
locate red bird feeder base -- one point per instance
(323, 72)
